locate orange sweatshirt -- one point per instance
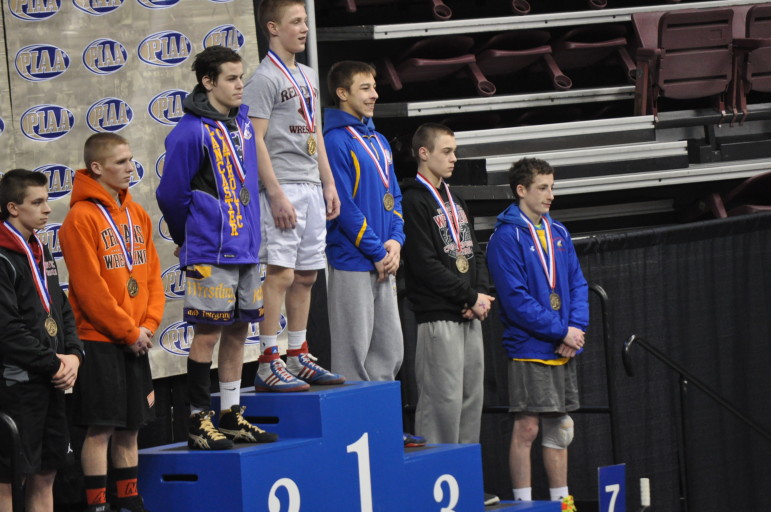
(98, 291)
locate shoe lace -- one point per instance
(243, 423)
(208, 427)
(280, 369)
(309, 360)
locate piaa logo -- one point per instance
(104, 56)
(34, 10)
(173, 282)
(166, 108)
(109, 115)
(46, 122)
(60, 178)
(40, 62)
(137, 174)
(97, 7)
(163, 230)
(176, 338)
(49, 236)
(158, 4)
(224, 35)
(159, 165)
(165, 49)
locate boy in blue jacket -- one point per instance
(544, 306)
(364, 243)
(208, 196)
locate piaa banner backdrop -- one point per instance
(77, 67)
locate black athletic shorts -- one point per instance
(114, 388)
(40, 415)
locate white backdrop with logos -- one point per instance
(76, 67)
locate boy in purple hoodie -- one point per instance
(208, 196)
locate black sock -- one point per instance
(199, 384)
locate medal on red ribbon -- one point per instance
(128, 252)
(385, 178)
(548, 261)
(38, 276)
(453, 223)
(243, 194)
(308, 109)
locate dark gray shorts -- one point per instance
(536, 387)
(223, 294)
(40, 415)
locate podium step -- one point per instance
(174, 478)
(435, 474)
(340, 448)
(526, 506)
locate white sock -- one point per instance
(296, 339)
(523, 494)
(557, 493)
(230, 394)
(267, 342)
(195, 410)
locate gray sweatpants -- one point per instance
(449, 369)
(366, 334)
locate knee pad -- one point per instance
(557, 431)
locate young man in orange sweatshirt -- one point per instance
(117, 297)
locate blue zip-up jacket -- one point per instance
(355, 239)
(199, 191)
(532, 329)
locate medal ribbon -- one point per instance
(41, 284)
(384, 177)
(452, 220)
(127, 253)
(548, 263)
(236, 159)
(309, 112)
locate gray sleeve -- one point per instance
(259, 94)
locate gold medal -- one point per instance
(554, 301)
(462, 263)
(132, 286)
(311, 145)
(51, 326)
(244, 196)
(388, 201)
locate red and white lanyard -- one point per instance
(453, 223)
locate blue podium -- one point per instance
(340, 449)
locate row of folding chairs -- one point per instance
(442, 12)
(720, 53)
(436, 58)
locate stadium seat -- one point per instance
(434, 58)
(586, 46)
(753, 55)
(520, 7)
(512, 51)
(441, 11)
(753, 195)
(683, 54)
